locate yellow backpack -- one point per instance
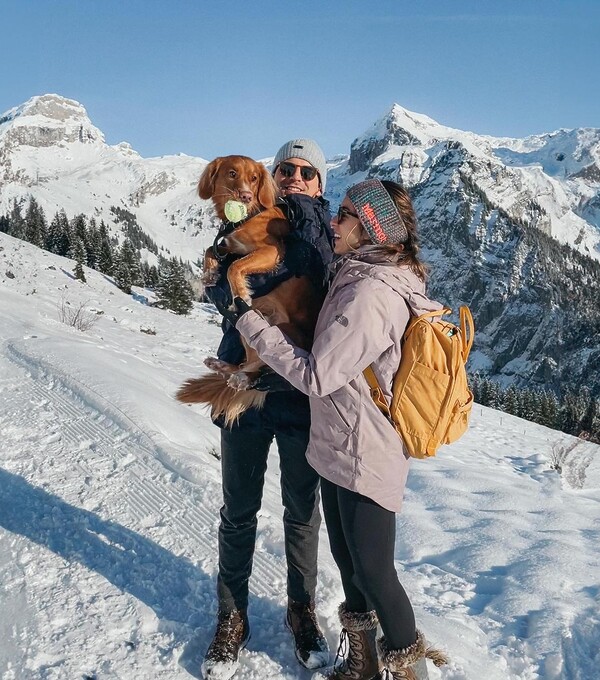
(431, 400)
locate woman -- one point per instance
(378, 284)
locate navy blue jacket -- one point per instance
(308, 251)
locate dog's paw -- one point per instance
(239, 381)
(246, 298)
(215, 364)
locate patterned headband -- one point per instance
(378, 212)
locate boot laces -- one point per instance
(342, 649)
(350, 651)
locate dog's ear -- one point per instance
(206, 184)
(267, 189)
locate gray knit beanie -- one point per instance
(377, 212)
(308, 150)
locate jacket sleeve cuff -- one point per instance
(250, 324)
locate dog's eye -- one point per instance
(254, 178)
(232, 173)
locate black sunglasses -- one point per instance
(307, 172)
(344, 212)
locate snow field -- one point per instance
(109, 502)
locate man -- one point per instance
(300, 172)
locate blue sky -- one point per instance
(235, 76)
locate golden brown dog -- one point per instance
(293, 305)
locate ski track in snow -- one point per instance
(147, 496)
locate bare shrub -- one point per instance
(214, 452)
(559, 454)
(77, 316)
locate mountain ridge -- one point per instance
(507, 238)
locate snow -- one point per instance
(110, 496)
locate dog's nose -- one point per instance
(245, 196)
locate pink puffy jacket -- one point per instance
(362, 322)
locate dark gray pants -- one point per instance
(244, 455)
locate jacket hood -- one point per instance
(369, 262)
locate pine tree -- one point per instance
(79, 257)
(174, 291)
(4, 224)
(484, 391)
(590, 420)
(130, 259)
(494, 396)
(122, 275)
(54, 235)
(105, 258)
(94, 245)
(549, 410)
(35, 224)
(153, 278)
(79, 230)
(17, 223)
(474, 380)
(528, 405)
(572, 413)
(64, 247)
(510, 400)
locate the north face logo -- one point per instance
(340, 318)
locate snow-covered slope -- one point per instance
(109, 499)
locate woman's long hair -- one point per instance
(406, 253)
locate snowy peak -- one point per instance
(396, 128)
(400, 129)
(551, 180)
(54, 107)
(48, 120)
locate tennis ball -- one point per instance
(235, 211)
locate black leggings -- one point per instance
(362, 537)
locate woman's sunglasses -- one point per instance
(344, 212)
(307, 172)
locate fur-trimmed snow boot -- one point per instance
(357, 651)
(409, 663)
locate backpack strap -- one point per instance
(468, 331)
(377, 393)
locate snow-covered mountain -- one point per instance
(510, 227)
(49, 149)
(110, 491)
(551, 181)
(502, 224)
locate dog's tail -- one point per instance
(212, 389)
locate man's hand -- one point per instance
(232, 315)
(269, 381)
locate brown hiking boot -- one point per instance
(356, 650)
(409, 663)
(231, 636)
(310, 644)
